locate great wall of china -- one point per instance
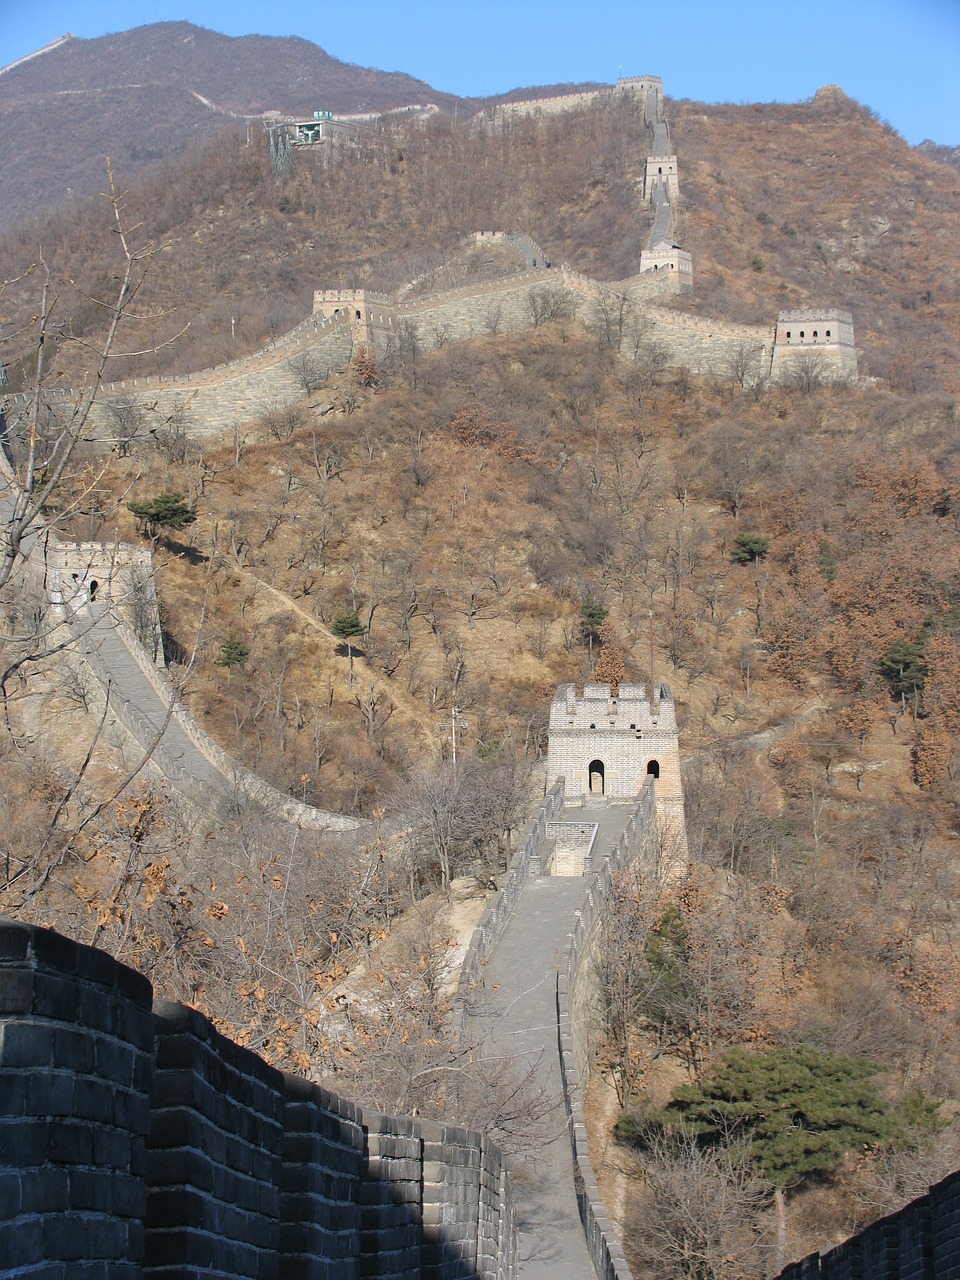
(229, 396)
(137, 1141)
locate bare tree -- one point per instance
(805, 372)
(42, 437)
(128, 418)
(743, 363)
(309, 371)
(550, 303)
(700, 1214)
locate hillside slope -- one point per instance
(797, 550)
(150, 93)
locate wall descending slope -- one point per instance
(137, 1143)
(919, 1242)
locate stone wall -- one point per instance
(213, 401)
(824, 337)
(218, 401)
(572, 847)
(225, 398)
(80, 573)
(137, 1142)
(919, 1242)
(580, 1031)
(623, 733)
(660, 170)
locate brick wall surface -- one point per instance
(213, 1154)
(141, 1144)
(322, 1166)
(919, 1242)
(76, 1042)
(217, 401)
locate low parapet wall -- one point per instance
(225, 399)
(524, 864)
(138, 1142)
(579, 1032)
(919, 1242)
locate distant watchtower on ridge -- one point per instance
(606, 745)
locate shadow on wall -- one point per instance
(919, 1242)
(136, 1141)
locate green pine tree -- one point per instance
(903, 668)
(233, 652)
(749, 546)
(346, 626)
(165, 511)
(592, 616)
(799, 1111)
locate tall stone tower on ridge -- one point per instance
(606, 745)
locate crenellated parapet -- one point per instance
(136, 1140)
(668, 257)
(660, 171)
(113, 574)
(213, 401)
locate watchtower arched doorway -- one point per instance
(597, 779)
(653, 768)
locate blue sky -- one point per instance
(900, 57)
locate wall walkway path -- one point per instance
(516, 1017)
(148, 707)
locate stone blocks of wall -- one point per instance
(815, 335)
(657, 170)
(624, 733)
(76, 1051)
(221, 400)
(79, 573)
(919, 1242)
(572, 847)
(138, 1143)
(214, 401)
(213, 1154)
(322, 1166)
(526, 862)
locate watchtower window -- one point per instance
(789, 334)
(593, 726)
(815, 334)
(653, 768)
(828, 333)
(802, 334)
(358, 315)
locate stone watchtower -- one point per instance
(606, 745)
(824, 336)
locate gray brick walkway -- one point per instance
(143, 711)
(518, 1019)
